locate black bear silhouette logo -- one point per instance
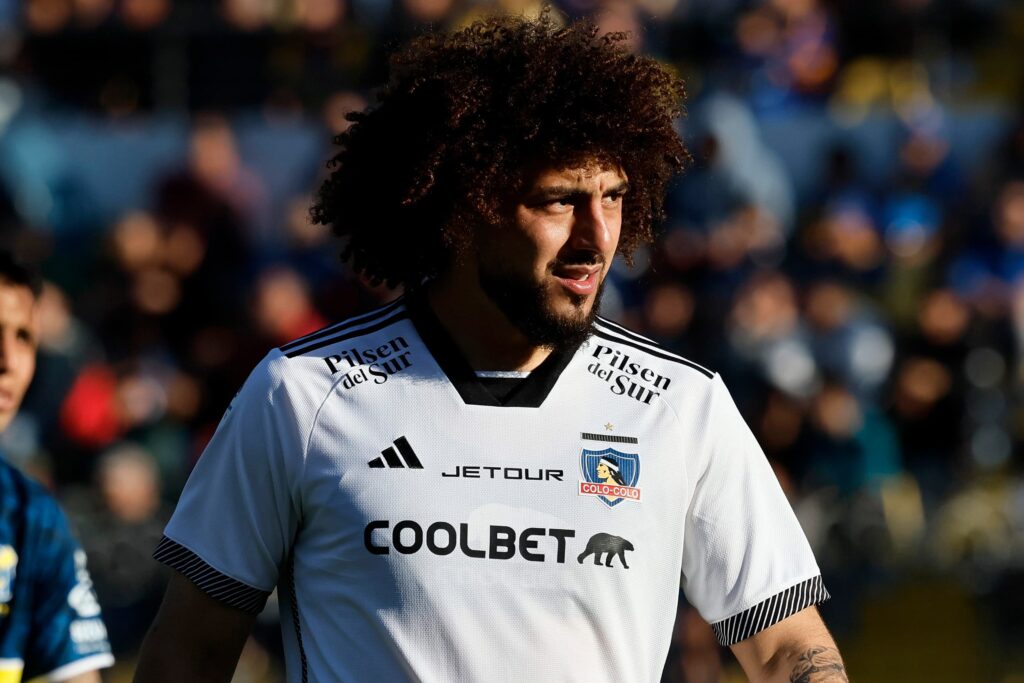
(606, 543)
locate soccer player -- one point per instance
(429, 486)
(50, 623)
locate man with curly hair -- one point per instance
(429, 486)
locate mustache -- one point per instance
(580, 257)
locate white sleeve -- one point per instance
(238, 515)
(746, 562)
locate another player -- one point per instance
(424, 484)
(50, 623)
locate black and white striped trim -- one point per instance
(771, 611)
(616, 333)
(624, 331)
(309, 341)
(230, 591)
(361, 332)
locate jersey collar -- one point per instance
(531, 392)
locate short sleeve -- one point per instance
(746, 562)
(67, 636)
(238, 514)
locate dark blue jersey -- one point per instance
(50, 621)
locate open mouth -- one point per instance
(580, 280)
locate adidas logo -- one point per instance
(394, 460)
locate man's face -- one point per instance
(17, 347)
(545, 268)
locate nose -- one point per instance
(592, 229)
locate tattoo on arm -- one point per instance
(819, 665)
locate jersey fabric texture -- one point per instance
(420, 528)
(50, 622)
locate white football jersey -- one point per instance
(419, 530)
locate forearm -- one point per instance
(161, 661)
(798, 649)
(194, 638)
(814, 664)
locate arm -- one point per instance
(747, 565)
(234, 527)
(798, 649)
(193, 638)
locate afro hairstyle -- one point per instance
(445, 147)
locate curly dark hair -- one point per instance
(448, 142)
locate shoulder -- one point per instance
(327, 348)
(34, 515)
(636, 367)
(624, 350)
(295, 378)
(375, 323)
(363, 339)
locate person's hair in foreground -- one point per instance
(15, 274)
(466, 116)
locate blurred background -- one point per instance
(847, 250)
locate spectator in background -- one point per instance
(283, 309)
(118, 531)
(49, 616)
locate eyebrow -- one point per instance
(557, 191)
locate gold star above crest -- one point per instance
(609, 427)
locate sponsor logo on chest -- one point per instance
(508, 473)
(535, 544)
(372, 365)
(609, 474)
(626, 377)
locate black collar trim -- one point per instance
(531, 391)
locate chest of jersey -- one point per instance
(561, 515)
(517, 485)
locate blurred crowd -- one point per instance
(846, 249)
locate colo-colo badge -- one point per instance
(610, 475)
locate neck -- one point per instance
(486, 338)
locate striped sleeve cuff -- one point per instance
(771, 611)
(222, 587)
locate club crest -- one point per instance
(610, 475)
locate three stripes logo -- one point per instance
(394, 459)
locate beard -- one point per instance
(528, 306)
